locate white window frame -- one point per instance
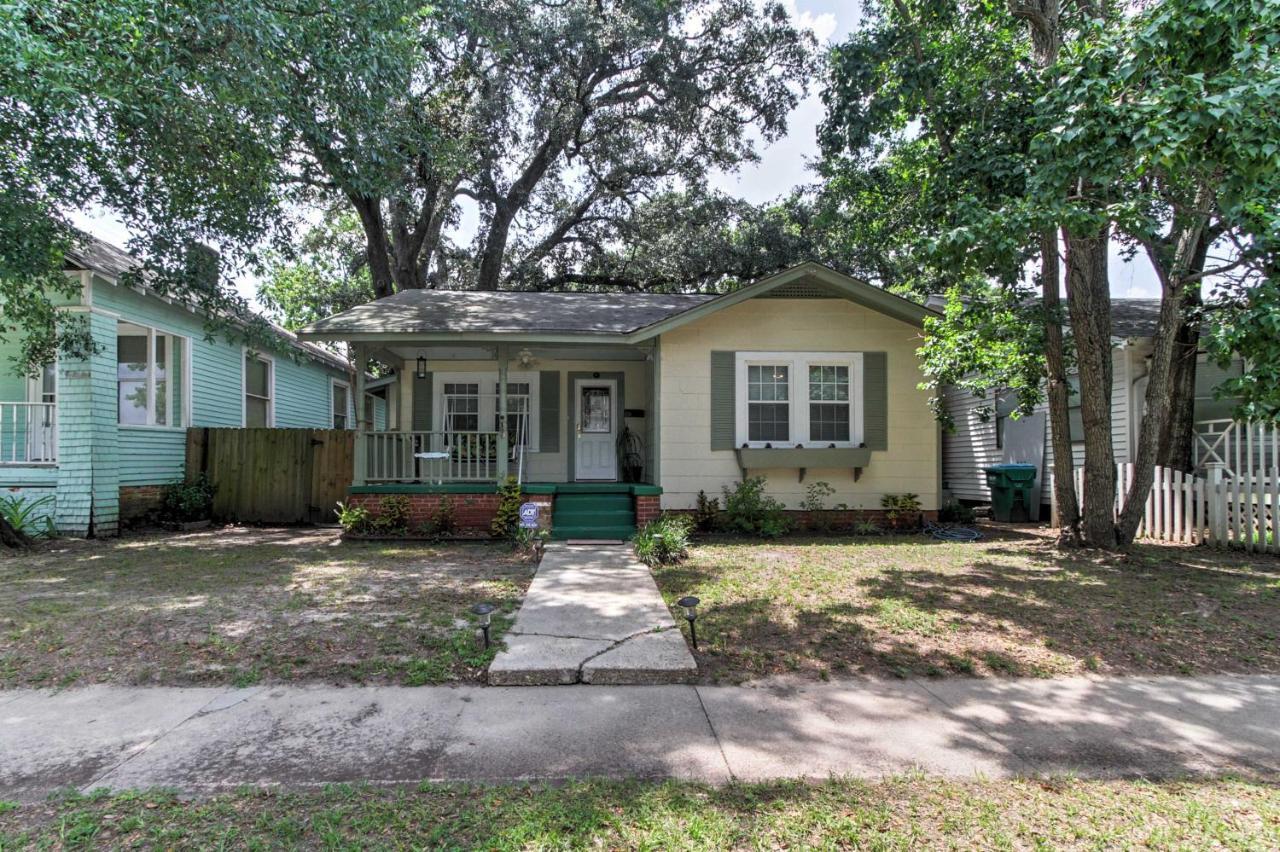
(245, 354)
(798, 364)
(488, 400)
(186, 374)
(334, 384)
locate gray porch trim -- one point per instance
(571, 409)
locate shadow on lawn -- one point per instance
(1018, 607)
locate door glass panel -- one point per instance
(597, 412)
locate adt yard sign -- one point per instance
(529, 515)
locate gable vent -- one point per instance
(800, 290)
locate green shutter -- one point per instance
(549, 411)
(423, 396)
(875, 400)
(723, 401)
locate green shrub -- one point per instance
(815, 505)
(392, 517)
(187, 501)
(442, 523)
(22, 515)
(749, 510)
(664, 541)
(706, 516)
(956, 513)
(506, 522)
(354, 519)
(903, 510)
(866, 528)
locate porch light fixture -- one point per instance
(485, 611)
(690, 605)
(525, 358)
(422, 367)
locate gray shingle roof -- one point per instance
(457, 311)
(1134, 317)
(101, 256)
(93, 253)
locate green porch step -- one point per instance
(602, 513)
(621, 533)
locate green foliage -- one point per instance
(529, 540)
(354, 519)
(866, 528)
(902, 510)
(29, 517)
(706, 513)
(392, 517)
(815, 496)
(184, 501)
(750, 511)
(443, 521)
(956, 513)
(664, 540)
(506, 521)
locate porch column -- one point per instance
(360, 472)
(503, 448)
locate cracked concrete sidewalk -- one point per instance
(203, 740)
(593, 614)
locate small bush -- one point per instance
(664, 541)
(183, 501)
(393, 515)
(354, 519)
(866, 528)
(903, 510)
(815, 505)
(506, 521)
(706, 515)
(749, 510)
(956, 513)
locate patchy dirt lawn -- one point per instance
(241, 606)
(1014, 605)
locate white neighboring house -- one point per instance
(976, 443)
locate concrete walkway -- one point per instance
(202, 740)
(593, 614)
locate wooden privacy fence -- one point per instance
(1214, 509)
(273, 476)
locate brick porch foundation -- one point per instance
(138, 501)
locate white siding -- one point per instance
(972, 446)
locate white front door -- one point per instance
(595, 424)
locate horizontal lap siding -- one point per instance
(302, 386)
(910, 464)
(151, 456)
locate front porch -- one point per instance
(476, 414)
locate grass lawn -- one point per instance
(241, 606)
(913, 606)
(902, 813)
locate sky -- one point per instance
(783, 164)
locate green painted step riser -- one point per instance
(593, 499)
(562, 533)
(620, 515)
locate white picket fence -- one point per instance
(1215, 509)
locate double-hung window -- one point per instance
(340, 399)
(259, 391)
(468, 402)
(150, 376)
(790, 399)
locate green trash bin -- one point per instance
(1013, 487)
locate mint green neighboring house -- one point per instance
(101, 436)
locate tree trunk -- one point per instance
(11, 536)
(1088, 292)
(1177, 320)
(376, 246)
(1178, 443)
(1064, 489)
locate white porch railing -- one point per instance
(450, 456)
(28, 433)
(1241, 450)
